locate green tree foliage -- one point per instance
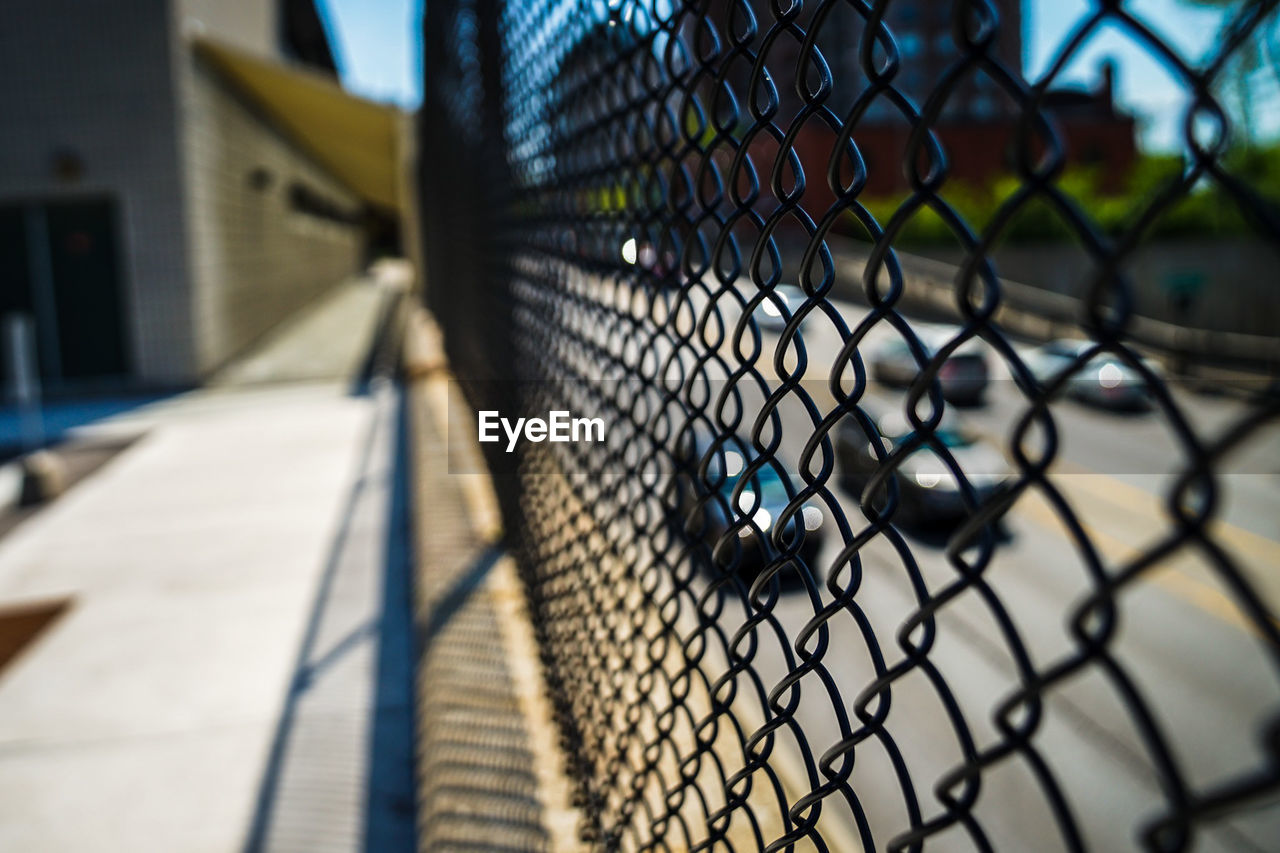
(1238, 84)
(1207, 211)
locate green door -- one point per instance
(60, 267)
(15, 279)
(15, 288)
(87, 298)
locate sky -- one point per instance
(378, 45)
(1143, 84)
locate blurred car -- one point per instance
(927, 490)
(1103, 380)
(662, 264)
(770, 316)
(963, 376)
(704, 507)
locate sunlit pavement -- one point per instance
(224, 578)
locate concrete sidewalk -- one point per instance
(226, 673)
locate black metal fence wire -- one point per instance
(611, 191)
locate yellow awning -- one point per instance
(355, 139)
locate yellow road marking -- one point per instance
(1174, 574)
(1266, 552)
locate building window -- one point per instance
(309, 202)
(259, 178)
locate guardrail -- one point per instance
(1044, 315)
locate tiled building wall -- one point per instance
(91, 78)
(256, 257)
(250, 25)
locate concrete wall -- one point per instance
(92, 77)
(1238, 292)
(255, 258)
(1233, 325)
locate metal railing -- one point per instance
(758, 631)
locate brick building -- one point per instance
(176, 177)
(976, 124)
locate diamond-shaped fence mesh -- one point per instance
(913, 523)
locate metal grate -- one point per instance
(758, 633)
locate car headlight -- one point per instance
(812, 517)
(1109, 375)
(763, 520)
(928, 479)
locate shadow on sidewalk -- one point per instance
(480, 785)
(340, 771)
(448, 605)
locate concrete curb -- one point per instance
(10, 485)
(491, 774)
(31, 480)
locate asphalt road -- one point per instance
(1182, 645)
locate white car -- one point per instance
(963, 376)
(1104, 380)
(928, 490)
(776, 310)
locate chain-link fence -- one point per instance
(884, 545)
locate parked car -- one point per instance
(963, 376)
(927, 490)
(1104, 380)
(663, 265)
(776, 310)
(706, 508)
